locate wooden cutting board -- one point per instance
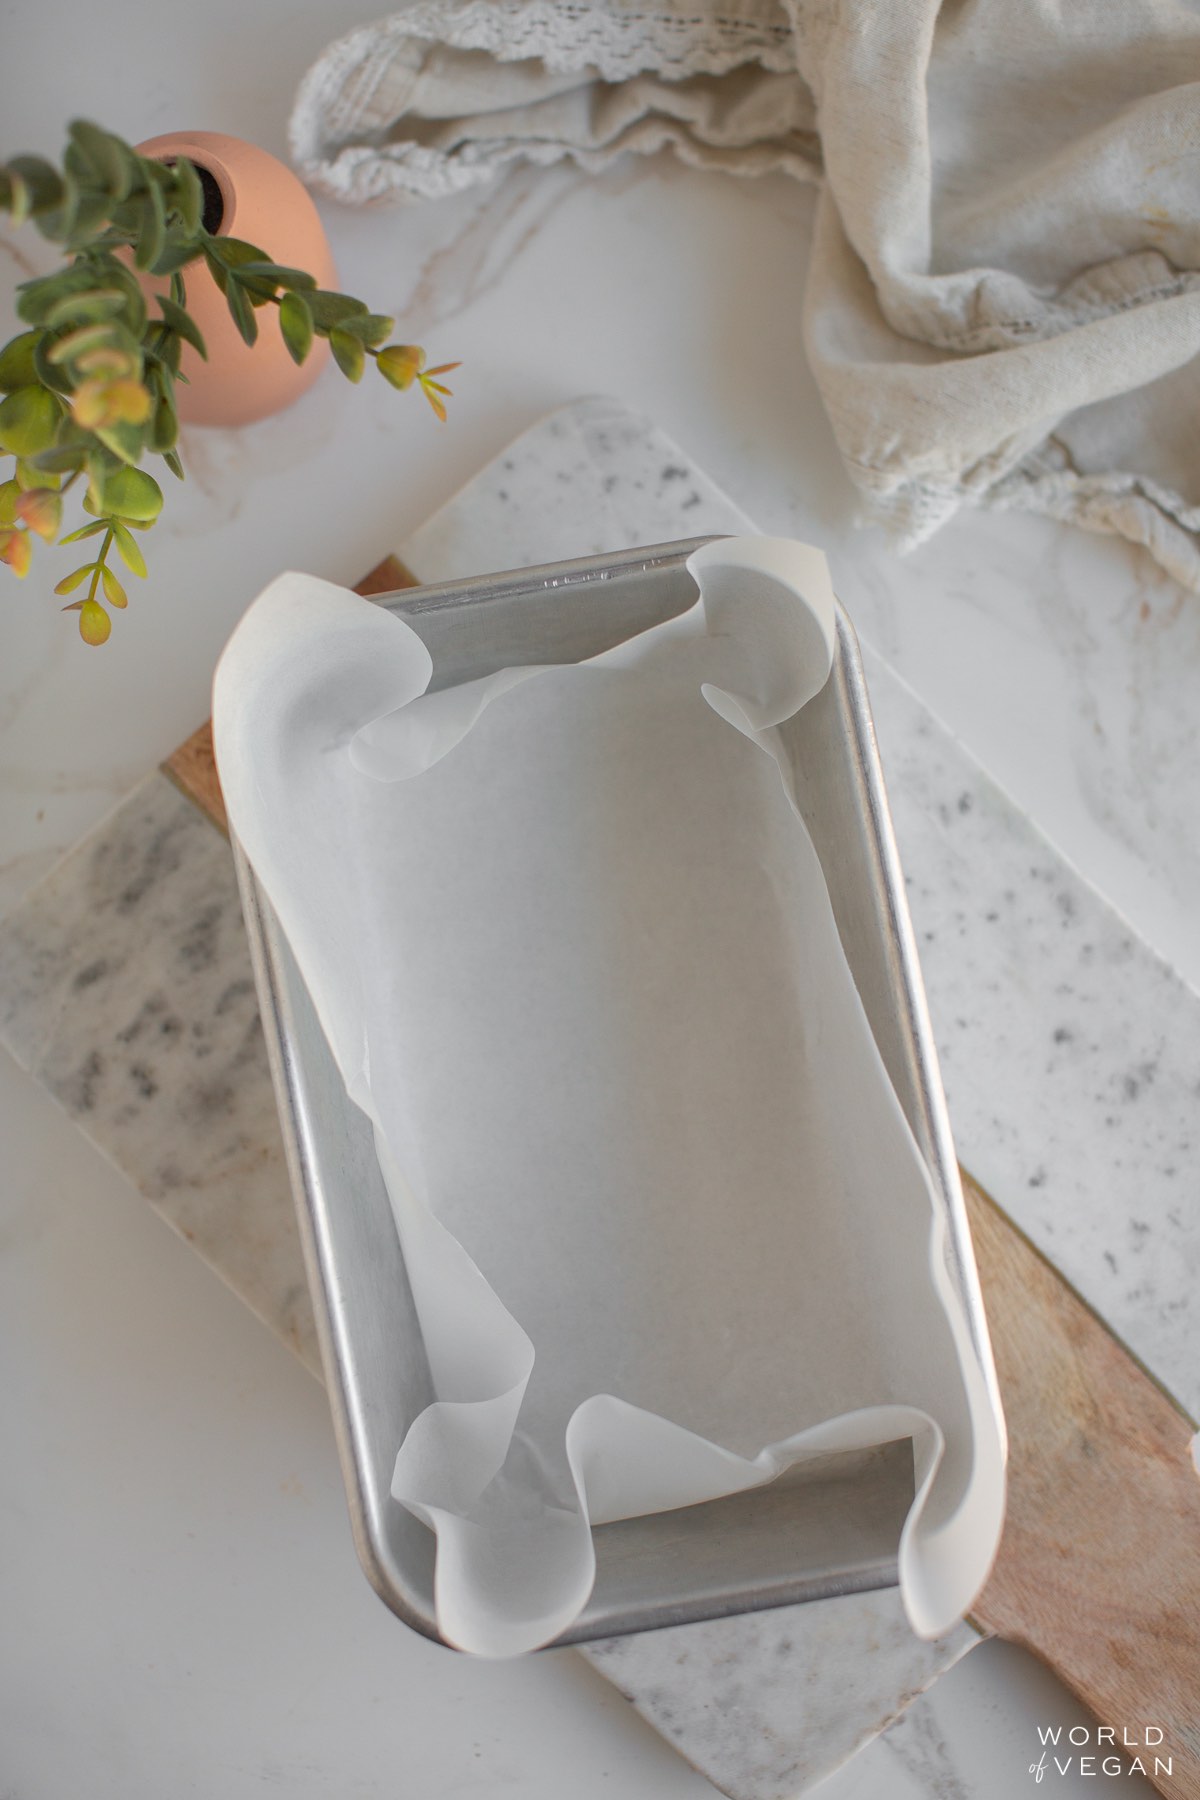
(1098, 1572)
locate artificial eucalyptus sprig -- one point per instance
(89, 386)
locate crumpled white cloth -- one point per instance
(1003, 302)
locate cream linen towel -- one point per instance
(1003, 301)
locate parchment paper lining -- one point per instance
(667, 1229)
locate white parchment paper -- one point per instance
(667, 1229)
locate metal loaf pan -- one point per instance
(827, 1528)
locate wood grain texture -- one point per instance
(1099, 1566)
(192, 767)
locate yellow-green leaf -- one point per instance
(126, 442)
(164, 431)
(132, 495)
(400, 364)
(49, 466)
(348, 354)
(89, 215)
(241, 310)
(369, 328)
(295, 323)
(94, 623)
(43, 181)
(127, 544)
(189, 195)
(114, 593)
(28, 421)
(16, 361)
(216, 269)
(279, 276)
(433, 390)
(182, 324)
(438, 405)
(329, 309)
(232, 252)
(152, 231)
(35, 474)
(177, 254)
(109, 156)
(85, 531)
(75, 579)
(10, 493)
(48, 374)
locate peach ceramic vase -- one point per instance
(261, 201)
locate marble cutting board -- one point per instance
(1055, 1028)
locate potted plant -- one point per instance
(91, 385)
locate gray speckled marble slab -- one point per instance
(1070, 1052)
(1071, 1055)
(126, 987)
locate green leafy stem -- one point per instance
(89, 385)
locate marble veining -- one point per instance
(955, 1743)
(590, 478)
(770, 1703)
(1069, 1054)
(125, 986)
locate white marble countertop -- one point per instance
(169, 1467)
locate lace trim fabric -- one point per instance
(338, 127)
(614, 42)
